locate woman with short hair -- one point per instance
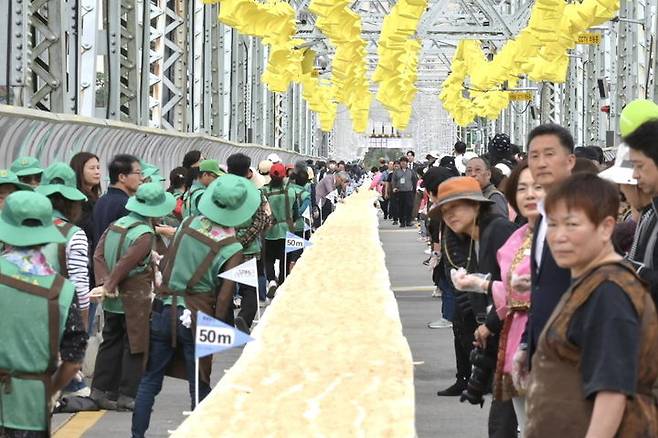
(596, 361)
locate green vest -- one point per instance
(191, 199)
(301, 195)
(56, 252)
(282, 202)
(195, 258)
(29, 351)
(172, 219)
(120, 236)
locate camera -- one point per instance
(479, 383)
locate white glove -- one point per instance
(469, 282)
(186, 318)
(158, 278)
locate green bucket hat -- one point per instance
(211, 166)
(151, 200)
(60, 178)
(8, 177)
(35, 207)
(230, 200)
(24, 166)
(151, 171)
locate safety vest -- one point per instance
(194, 259)
(191, 199)
(121, 235)
(56, 252)
(281, 201)
(35, 309)
(302, 200)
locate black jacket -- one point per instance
(494, 232)
(549, 283)
(644, 251)
(109, 207)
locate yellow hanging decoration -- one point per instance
(397, 69)
(539, 51)
(349, 68)
(274, 22)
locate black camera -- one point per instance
(483, 362)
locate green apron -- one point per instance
(35, 309)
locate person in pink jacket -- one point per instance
(511, 296)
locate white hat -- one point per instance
(433, 154)
(274, 158)
(503, 168)
(258, 179)
(622, 171)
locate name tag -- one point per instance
(403, 180)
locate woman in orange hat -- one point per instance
(472, 233)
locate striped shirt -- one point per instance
(77, 263)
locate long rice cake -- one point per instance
(329, 359)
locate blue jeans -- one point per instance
(160, 355)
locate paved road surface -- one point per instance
(431, 349)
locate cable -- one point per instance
(524, 109)
(649, 65)
(108, 73)
(8, 70)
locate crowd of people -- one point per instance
(145, 259)
(548, 274)
(546, 263)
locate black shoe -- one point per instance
(241, 324)
(402, 225)
(125, 403)
(453, 391)
(102, 400)
(271, 289)
(394, 222)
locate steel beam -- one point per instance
(18, 68)
(46, 88)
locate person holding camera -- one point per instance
(596, 362)
(511, 295)
(472, 234)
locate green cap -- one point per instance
(24, 166)
(211, 166)
(151, 200)
(60, 178)
(8, 177)
(230, 200)
(635, 114)
(151, 171)
(24, 206)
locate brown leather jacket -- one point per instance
(556, 405)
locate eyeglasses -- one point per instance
(135, 173)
